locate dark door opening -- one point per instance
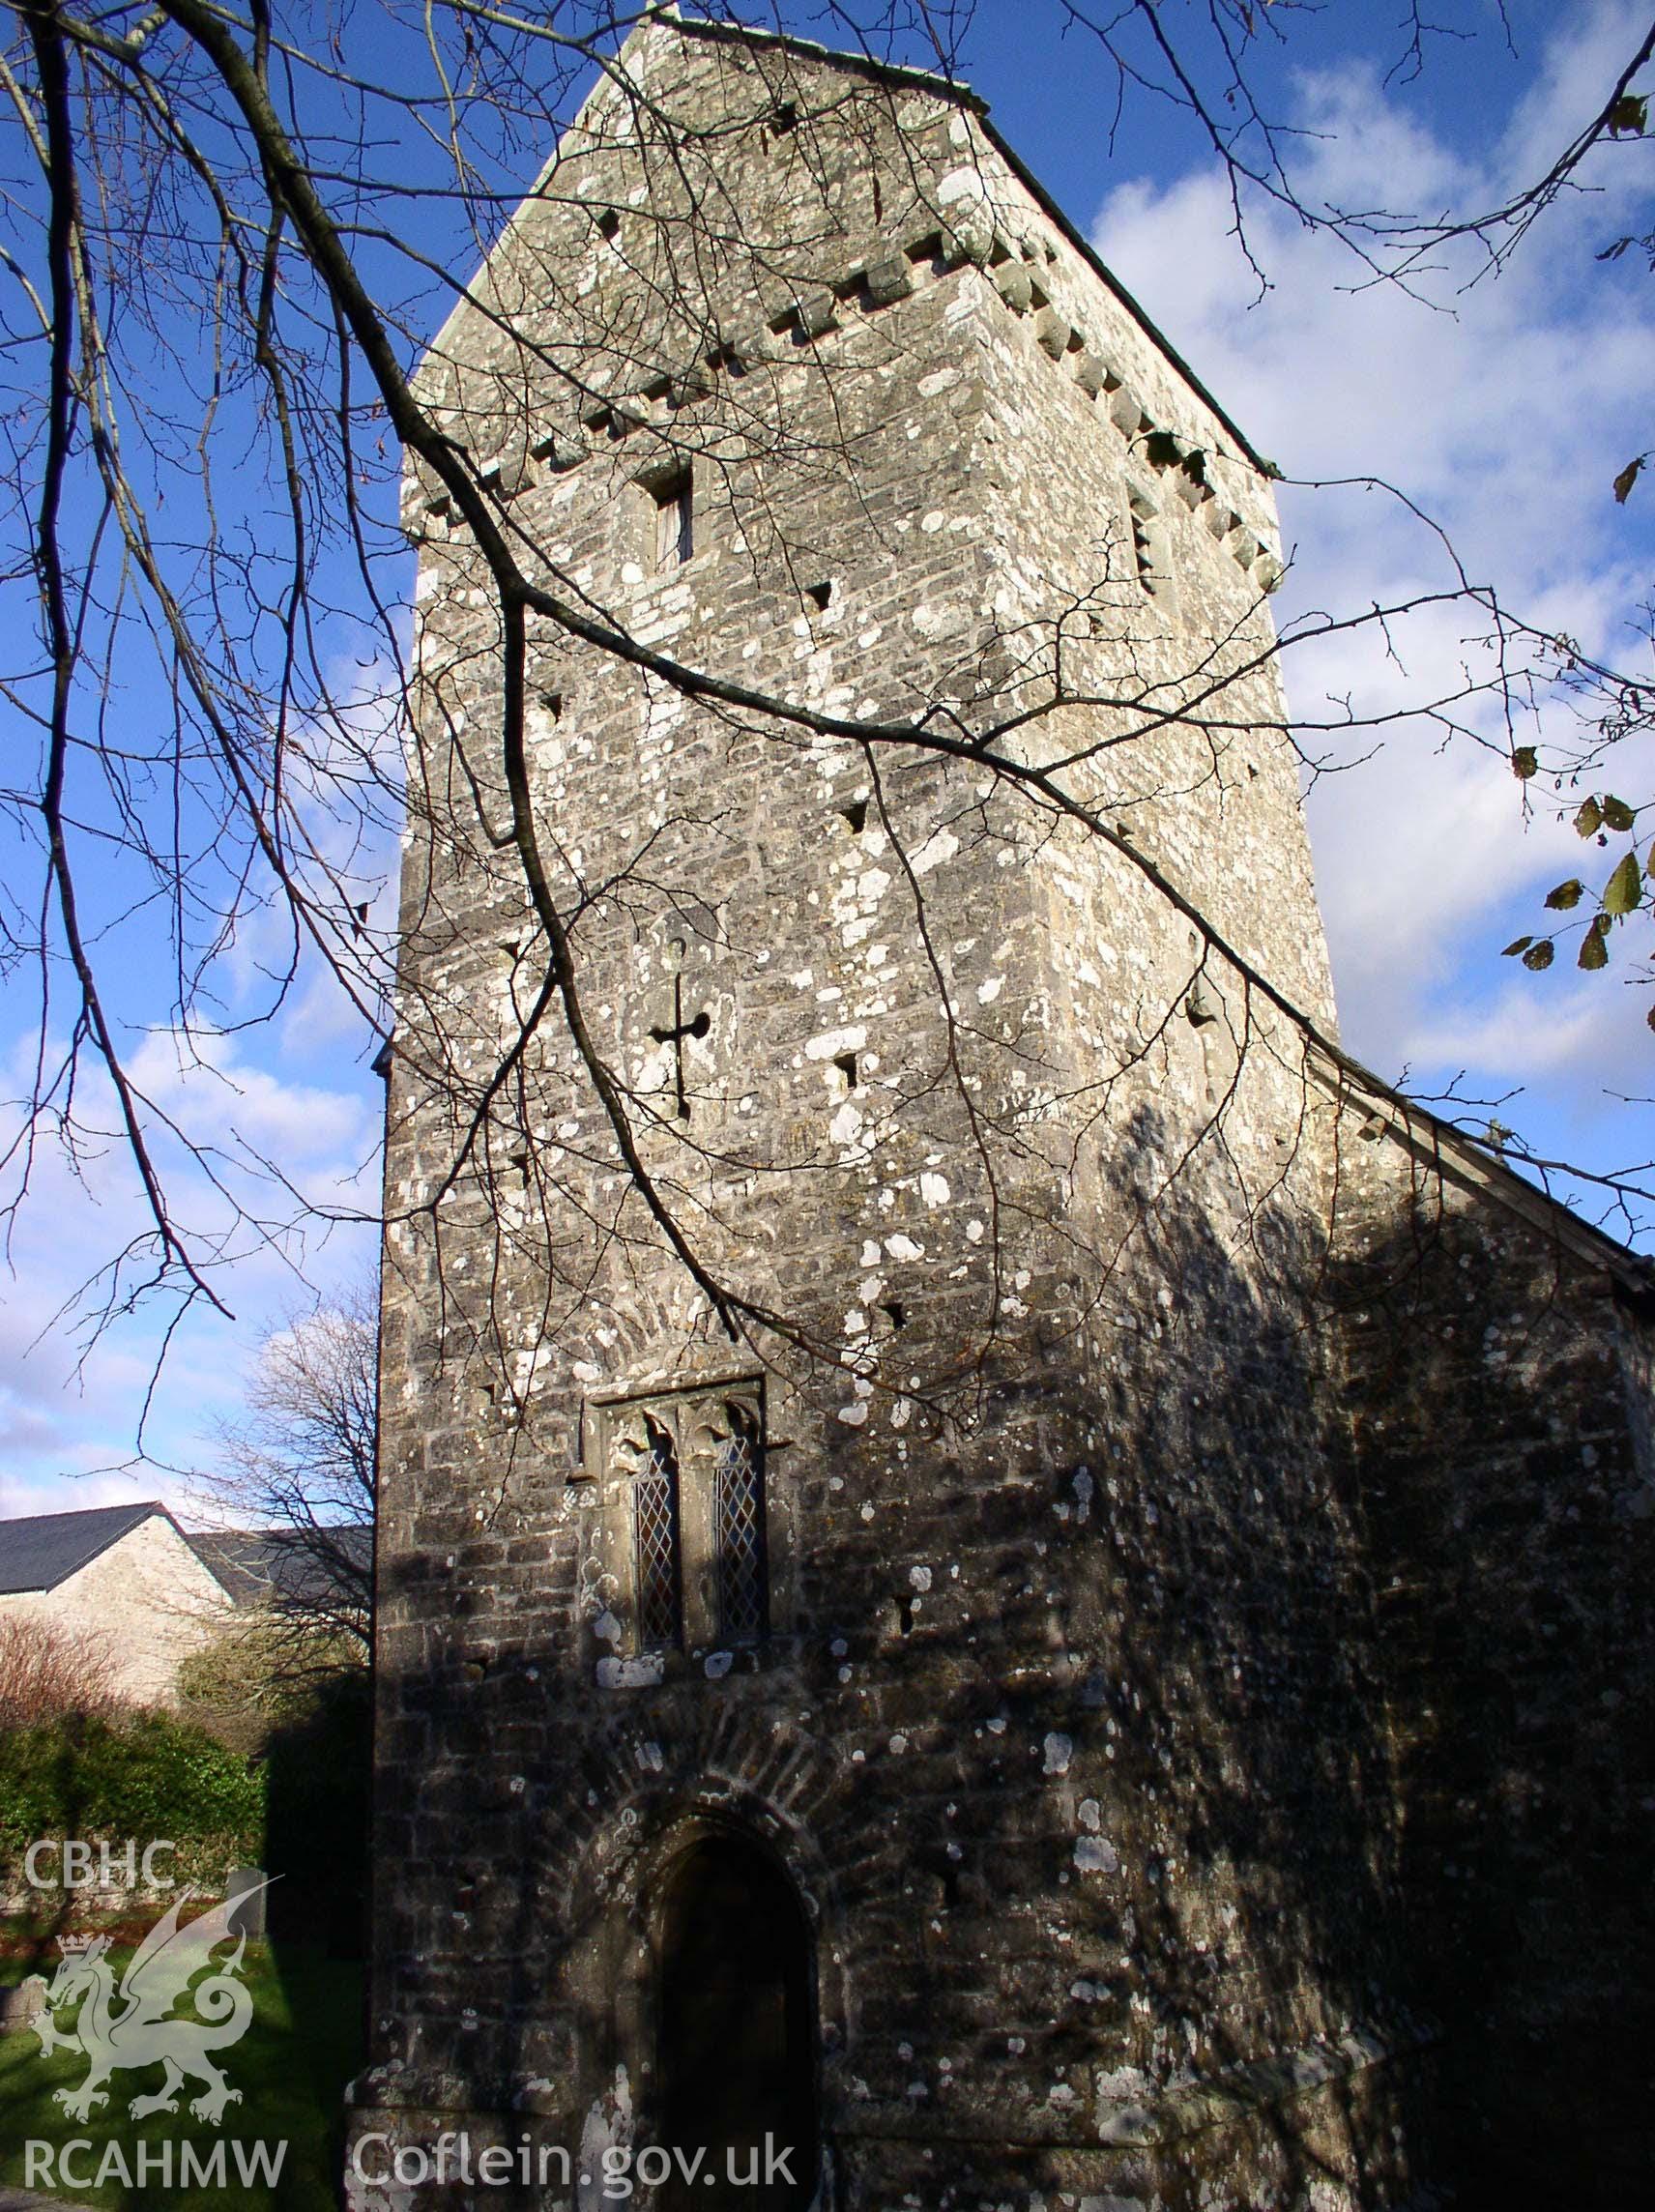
(737, 2055)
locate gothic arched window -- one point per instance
(684, 1545)
(655, 1543)
(739, 1530)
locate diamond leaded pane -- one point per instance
(654, 1535)
(739, 1525)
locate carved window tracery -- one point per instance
(690, 1472)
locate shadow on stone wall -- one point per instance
(1510, 1534)
(1163, 1566)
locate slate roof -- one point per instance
(257, 1566)
(252, 1566)
(45, 1549)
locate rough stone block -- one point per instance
(1015, 286)
(817, 314)
(251, 1915)
(23, 2005)
(888, 281)
(1051, 333)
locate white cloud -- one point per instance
(56, 1493)
(1503, 409)
(70, 1396)
(1582, 1039)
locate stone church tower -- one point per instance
(994, 1565)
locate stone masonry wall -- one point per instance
(1498, 1380)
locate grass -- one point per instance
(291, 2068)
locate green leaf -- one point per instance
(1625, 888)
(1627, 478)
(1589, 820)
(1629, 117)
(1566, 895)
(1524, 763)
(1617, 815)
(1540, 955)
(1517, 944)
(1594, 950)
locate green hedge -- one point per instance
(147, 1777)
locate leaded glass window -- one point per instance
(655, 1543)
(738, 1532)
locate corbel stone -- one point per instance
(817, 314)
(1125, 411)
(695, 383)
(1013, 284)
(888, 281)
(422, 502)
(968, 240)
(1051, 333)
(556, 451)
(1092, 374)
(509, 473)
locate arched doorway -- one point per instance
(736, 2053)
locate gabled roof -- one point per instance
(45, 1549)
(286, 1567)
(1475, 1164)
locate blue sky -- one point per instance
(1503, 409)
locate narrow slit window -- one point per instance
(656, 1545)
(675, 520)
(739, 1532)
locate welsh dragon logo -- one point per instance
(128, 2026)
